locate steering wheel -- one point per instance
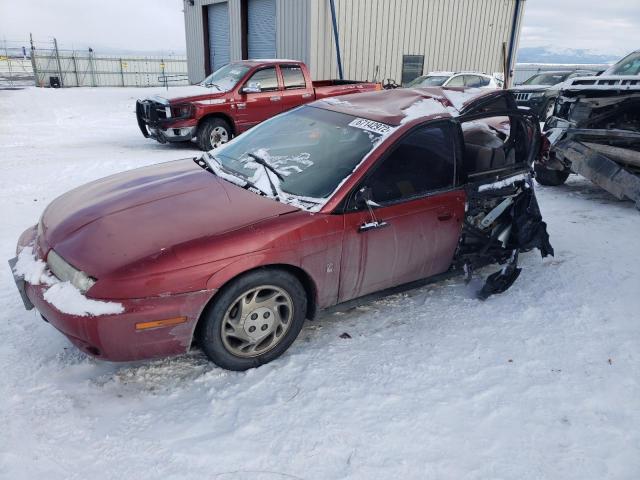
(389, 84)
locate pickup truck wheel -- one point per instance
(550, 178)
(212, 133)
(253, 320)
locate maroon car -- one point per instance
(317, 206)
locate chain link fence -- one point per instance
(46, 65)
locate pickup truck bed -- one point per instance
(235, 98)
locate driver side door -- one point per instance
(411, 227)
(254, 108)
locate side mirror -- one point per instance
(363, 199)
(253, 87)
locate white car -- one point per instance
(455, 79)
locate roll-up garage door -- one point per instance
(218, 14)
(261, 20)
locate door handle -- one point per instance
(445, 215)
(365, 227)
(275, 99)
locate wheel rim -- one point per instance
(257, 321)
(219, 135)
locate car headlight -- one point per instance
(536, 94)
(65, 272)
(182, 111)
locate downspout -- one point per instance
(335, 36)
(512, 42)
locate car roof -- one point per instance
(262, 61)
(395, 107)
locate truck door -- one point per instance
(295, 92)
(411, 228)
(255, 107)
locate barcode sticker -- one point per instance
(371, 126)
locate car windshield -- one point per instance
(428, 81)
(312, 149)
(547, 78)
(227, 77)
(629, 65)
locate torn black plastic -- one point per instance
(518, 228)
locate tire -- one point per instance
(212, 133)
(233, 339)
(550, 178)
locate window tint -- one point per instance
(293, 76)
(475, 81)
(495, 143)
(266, 78)
(457, 81)
(422, 161)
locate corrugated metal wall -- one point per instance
(292, 32)
(374, 34)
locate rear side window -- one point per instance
(293, 77)
(475, 81)
(421, 162)
(266, 78)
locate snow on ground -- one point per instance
(540, 382)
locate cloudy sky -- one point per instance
(604, 26)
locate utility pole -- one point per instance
(55, 46)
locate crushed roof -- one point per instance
(402, 105)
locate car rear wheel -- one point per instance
(212, 133)
(550, 178)
(254, 319)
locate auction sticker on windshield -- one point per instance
(370, 125)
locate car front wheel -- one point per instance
(254, 319)
(212, 133)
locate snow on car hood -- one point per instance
(111, 223)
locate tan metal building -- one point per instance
(377, 39)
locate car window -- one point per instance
(266, 78)
(629, 65)
(457, 81)
(312, 148)
(427, 81)
(475, 81)
(495, 143)
(293, 77)
(227, 77)
(420, 162)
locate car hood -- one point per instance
(109, 224)
(191, 93)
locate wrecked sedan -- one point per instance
(595, 131)
(318, 206)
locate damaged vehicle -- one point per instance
(318, 206)
(595, 132)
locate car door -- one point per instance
(411, 227)
(295, 91)
(255, 107)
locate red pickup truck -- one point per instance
(235, 98)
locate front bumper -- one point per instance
(153, 123)
(115, 337)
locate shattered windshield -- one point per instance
(227, 77)
(546, 79)
(629, 65)
(312, 151)
(428, 81)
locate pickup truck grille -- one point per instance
(152, 111)
(522, 96)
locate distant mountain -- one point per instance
(554, 55)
